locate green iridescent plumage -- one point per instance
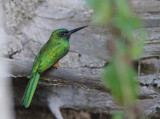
(53, 50)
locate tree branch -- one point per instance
(55, 75)
(57, 89)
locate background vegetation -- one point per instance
(120, 76)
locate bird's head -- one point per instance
(64, 33)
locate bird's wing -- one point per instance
(50, 56)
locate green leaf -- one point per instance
(102, 10)
(127, 25)
(118, 116)
(139, 41)
(120, 77)
(122, 8)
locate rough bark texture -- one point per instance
(59, 88)
(6, 97)
(28, 26)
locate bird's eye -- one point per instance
(62, 33)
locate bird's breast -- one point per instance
(65, 45)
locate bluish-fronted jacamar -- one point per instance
(53, 50)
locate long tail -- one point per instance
(29, 92)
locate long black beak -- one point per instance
(75, 30)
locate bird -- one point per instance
(52, 51)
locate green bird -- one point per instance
(53, 50)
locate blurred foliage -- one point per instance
(118, 116)
(102, 9)
(120, 76)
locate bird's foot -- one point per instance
(56, 65)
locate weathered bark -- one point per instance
(6, 99)
(145, 5)
(55, 75)
(60, 88)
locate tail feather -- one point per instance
(29, 92)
